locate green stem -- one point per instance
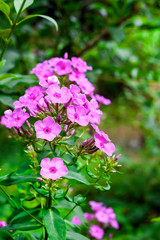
(91, 185)
(31, 215)
(84, 195)
(49, 200)
(70, 211)
(21, 207)
(12, 30)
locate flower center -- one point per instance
(102, 145)
(47, 130)
(63, 66)
(76, 116)
(57, 95)
(53, 170)
(17, 119)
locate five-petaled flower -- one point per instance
(53, 169)
(47, 129)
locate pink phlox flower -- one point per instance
(47, 129)
(77, 114)
(53, 61)
(51, 80)
(32, 96)
(58, 95)
(87, 87)
(107, 215)
(76, 76)
(89, 216)
(6, 120)
(76, 220)
(96, 232)
(114, 224)
(15, 118)
(101, 133)
(101, 143)
(38, 107)
(53, 169)
(102, 215)
(94, 114)
(81, 100)
(74, 90)
(3, 224)
(95, 206)
(63, 67)
(80, 64)
(42, 71)
(102, 99)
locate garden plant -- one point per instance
(58, 122)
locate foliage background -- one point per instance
(121, 40)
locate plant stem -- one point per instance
(31, 215)
(92, 184)
(21, 207)
(12, 30)
(70, 211)
(49, 201)
(84, 195)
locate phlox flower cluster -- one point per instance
(63, 101)
(103, 216)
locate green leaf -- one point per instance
(11, 179)
(55, 225)
(7, 100)
(4, 7)
(90, 173)
(5, 235)
(4, 76)
(18, 4)
(77, 176)
(103, 188)
(20, 216)
(4, 33)
(75, 236)
(79, 199)
(15, 202)
(156, 219)
(42, 16)
(78, 212)
(24, 226)
(2, 63)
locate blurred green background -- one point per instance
(121, 40)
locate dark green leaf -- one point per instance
(4, 33)
(15, 202)
(7, 100)
(4, 7)
(5, 235)
(18, 4)
(77, 176)
(55, 224)
(24, 226)
(75, 236)
(23, 214)
(42, 16)
(9, 179)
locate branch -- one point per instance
(105, 33)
